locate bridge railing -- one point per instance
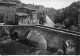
(47, 28)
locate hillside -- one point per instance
(50, 12)
(69, 17)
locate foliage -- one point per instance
(50, 12)
(68, 16)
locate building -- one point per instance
(35, 19)
(28, 17)
(41, 8)
(23, 19)
(25, 10)
(7, 12)
(79, 16)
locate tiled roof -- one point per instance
(27, 8)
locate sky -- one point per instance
(57, 4)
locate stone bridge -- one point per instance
(54, 37)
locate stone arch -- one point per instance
(14, 36)
(21, 34)
(37, 37)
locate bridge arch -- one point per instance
(37, 37)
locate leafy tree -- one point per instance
(59, 18)
(68, 16)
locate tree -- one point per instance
(59, 18)
(68, 16)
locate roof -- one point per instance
(22, 14)
(34, 12)
(28, 8)
(11, 3)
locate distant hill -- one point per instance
(32, 6)
(16, 1)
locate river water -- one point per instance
(49, 22)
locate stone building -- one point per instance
(30, 16)
(79, 16)
(23, 19)
(7, 12)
